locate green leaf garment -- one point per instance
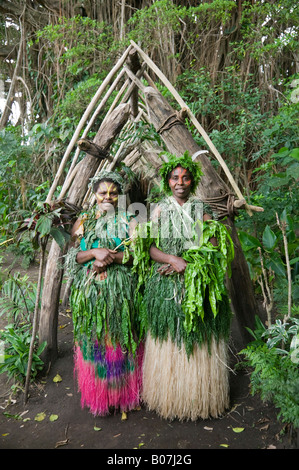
(108, 353)
(187, 316)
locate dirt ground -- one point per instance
(248, 424)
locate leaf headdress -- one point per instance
(185, 161)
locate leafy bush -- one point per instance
(17, 303)
(17, 298)
(16, 342)
(274, 357)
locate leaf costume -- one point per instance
(108, 350)
(185, 373)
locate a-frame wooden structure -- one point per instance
(138, 99)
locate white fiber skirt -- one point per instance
(178, 387)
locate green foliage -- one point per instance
(276, 180)
(275, 31)
(112, 312)
(277, 192)
(47, 220)
(85, 48)
(205, 272)
(144, 22)
(231, 114)
(274, 358)
(169, 17)
(17, 299)
(85, 42)
(271, 247)
(17, 304)
(16, 342)
(24, 173)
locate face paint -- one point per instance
(180, 176)
(109, 188)
(107, 191)
(99, 197)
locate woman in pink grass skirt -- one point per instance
(108, 349)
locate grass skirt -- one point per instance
(112, 379)
(187, 389)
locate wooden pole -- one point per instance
(35, 318)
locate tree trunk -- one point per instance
(54, 273)
(178, 139)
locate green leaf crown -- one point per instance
(185, 161)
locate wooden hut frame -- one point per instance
(137, 101)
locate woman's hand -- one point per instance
(171, 263)
(99, 267)
(176, 264)
(104, 256)
(165, 270)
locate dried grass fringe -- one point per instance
(176, 387)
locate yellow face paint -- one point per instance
(109, 189)
(106, 192)
(99, 198)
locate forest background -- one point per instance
(235, 63)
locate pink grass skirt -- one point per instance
(118, 385)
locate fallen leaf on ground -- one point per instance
(57, 378)
(224, 445)
(238, 429)
(97, 429)
(53, 417)
(40, 416)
